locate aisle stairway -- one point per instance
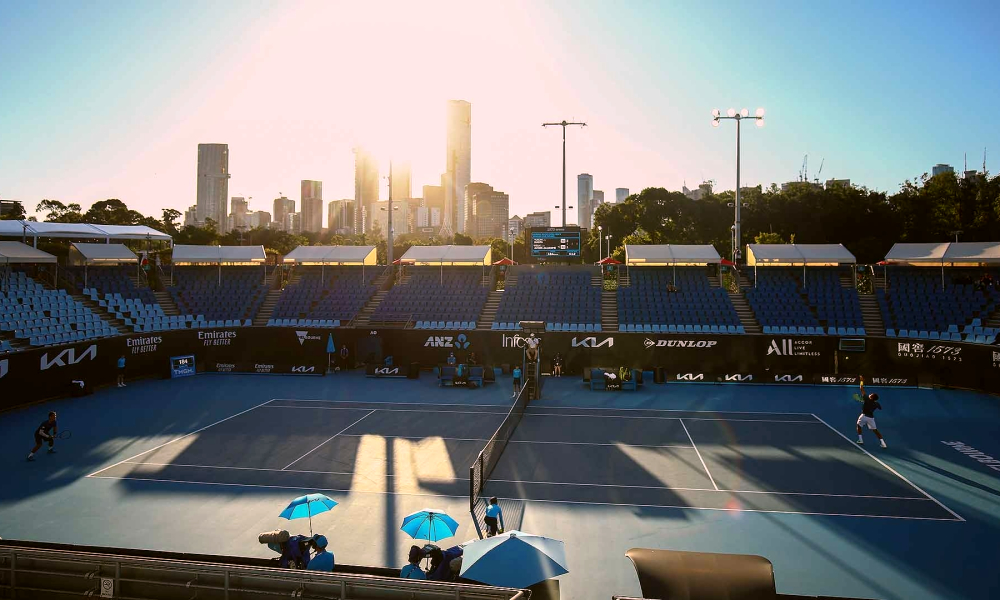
(267, 308)
(871, 315)
(489, 310)
(609, 310)
(747, 319)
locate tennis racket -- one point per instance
(65, 434)
(857, 397)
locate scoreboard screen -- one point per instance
(182, 366)
(555, 242)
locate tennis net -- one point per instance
(480, 471)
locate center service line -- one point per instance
(707, 472)
(330, 438)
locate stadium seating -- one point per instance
(837, 308)
(564, 299)
(114, 289)
(45, 317)
(230, 301)
(915, 305)
(783, 306)
(432, 299)
(695, 307)
(324, 297)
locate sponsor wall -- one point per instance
(47, 372)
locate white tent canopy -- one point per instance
(955, 254)
(448, 255)
(652, 255)
(17, 253)
(218, 255)
(332, 255)
(98, 254)
(35, 230)
(789, 255)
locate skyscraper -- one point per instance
(584, 199)
(620, 195)
(282, 208)
(213, 183)
(238, 218)
(941, 168)
(598, 200)
(340, 217)
(458, 158)
(402, 188)
(538, 219)
(365, 189)
(312, 205)
(487, 211)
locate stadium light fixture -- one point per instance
(743, 114)
(563, 124)
(600, 236)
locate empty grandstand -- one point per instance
(442, 287)
(226, 294)
(328, 286)
(925, 300)
(662, 297)
(566, 299)
(803, 289)
(45, 317)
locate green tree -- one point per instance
(462, 240)
(16, 212)
(169, 222)
(57, 212)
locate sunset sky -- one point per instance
(110, 99)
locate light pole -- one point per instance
(600, 249)
(563, 124)
(388, 234)
(510, 238)
(758, 118)
(607, 239)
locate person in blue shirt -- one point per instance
(451, 359)
(412, 568)
(121, 371)
(45, 432)
(517, 379)
(323, 559)
(494, 517)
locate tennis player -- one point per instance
(867, 417)
(46, 432)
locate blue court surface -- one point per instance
(204, 464)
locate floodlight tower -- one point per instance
(758, 119)
(563, 124)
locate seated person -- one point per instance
(451, 360)
(473, 359)
(412, 568)
(323, 559)
(557, 365)
(441, 570)
(388, 361)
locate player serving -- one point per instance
(45, 432)
(867, 418)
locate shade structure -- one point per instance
(953, 254)
(449, 255)
(80, 231)
(505, 261)
(17, 253)
(306, 506)
(514, 559)
(218, 255)
(798, 255)
(81, 253)
(670, 255)
(332, 255)
(609, 261)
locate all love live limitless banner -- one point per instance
(47, 372)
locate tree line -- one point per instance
(867, 222)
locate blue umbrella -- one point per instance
(307, 506)
(513, 559)
(429, 524)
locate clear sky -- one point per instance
(110, 99)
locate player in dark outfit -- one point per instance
(868, 414)
(45, 432)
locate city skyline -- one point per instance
(89, 123)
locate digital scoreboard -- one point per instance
(182, 366)
(555, 242)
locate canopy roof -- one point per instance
(18, 253)
(33, 229)
(83, 253)
(950, 253)
(449, 255)
(652, 255)
(332, 255)
(218, 255)
(798, 255)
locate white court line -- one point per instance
(536, 414)
(464, 497)
(568, 484)
(330, 438)
(707, 472)
(891, 470)
(554, 407)
(180, 438)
